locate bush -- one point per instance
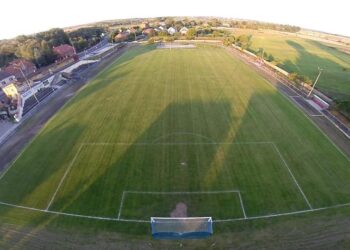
(150, 41)
(168, 39)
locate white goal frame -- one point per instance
(181, 227)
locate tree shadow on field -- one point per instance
(32, 179)
(334, 79)
(331, 49)
(183, 132)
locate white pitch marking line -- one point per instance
(285, 214)
(242, 206)
(292, 175)
(121, 205)
(58, 213)
(174, 143)
(185, 192)
(142, 221)
(13, 163)
(304, 112)
(64, 176)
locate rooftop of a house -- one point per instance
(4, 74)
(64, 49)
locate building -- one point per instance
(7, 84)
(122, 36)
(171, 31)
(183, 30)
(144, 25)
(148, 32)
(64, 51)
(21, 68)
(6, 78)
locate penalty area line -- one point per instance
(292, 175)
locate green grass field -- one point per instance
(160, 127)
(304, 56)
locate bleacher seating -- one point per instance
(31, 102)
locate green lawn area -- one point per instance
(304, 56)
(191, 121)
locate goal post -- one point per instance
(181, 228)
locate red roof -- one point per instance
(121, 36)
(64, 50)
(14, 67)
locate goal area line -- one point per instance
(237, 192)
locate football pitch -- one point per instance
(159, 128)
(304, 57)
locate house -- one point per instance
(6, 78)
(64, 51)
(144, 25)
(148, 32)
(171, 31)
(7, 84)
(162, 28)
(122, 36)
(183, 30)
(21, 68)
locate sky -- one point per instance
(31, 16)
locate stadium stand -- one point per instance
(31, 101)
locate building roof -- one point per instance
(22, 63)
(148, 31)
(122, 35)
(4, 74)
(64, 50)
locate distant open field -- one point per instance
(304, 56)
(160, 127)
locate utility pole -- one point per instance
(26, 79)
(318, 77)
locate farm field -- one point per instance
(304, 56)
(163, 127)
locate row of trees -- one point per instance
(260, 25)
(38, 48)
(84, 38)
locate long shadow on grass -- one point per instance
(334, 78)
(32, 180)
(331, 49)
(168, 162)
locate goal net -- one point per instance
(181, 228)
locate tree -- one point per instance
(228, 41)
(169, 22)
(191, 34)
(244, 41)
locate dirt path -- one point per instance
(29, 128)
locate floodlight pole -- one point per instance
(318, 77)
